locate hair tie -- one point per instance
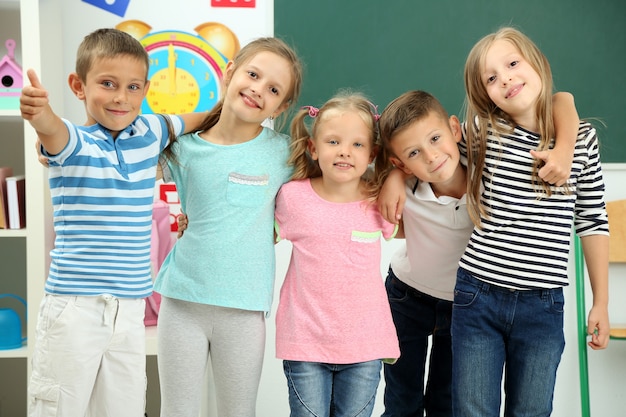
(313, 111)
(374, 110)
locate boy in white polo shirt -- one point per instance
(421, 139)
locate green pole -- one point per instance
(582, 328)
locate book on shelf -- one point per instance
(4, 204)
(16, 197)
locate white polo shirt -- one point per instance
(437, 231)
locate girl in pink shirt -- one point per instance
(333, 324)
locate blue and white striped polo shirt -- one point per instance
(102, 194)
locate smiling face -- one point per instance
(427, 148)
(343, 146)
(511, 82)
(113, 90)
(258, 88)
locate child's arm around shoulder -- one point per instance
(596, 251)
(558, 161)
(35, 107)
(192, 121)
(392, 196)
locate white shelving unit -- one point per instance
(25, 251)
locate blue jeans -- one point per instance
(327, 390)
(496, 329)
(417, 316)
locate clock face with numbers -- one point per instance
(185, 73)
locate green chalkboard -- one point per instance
(384, 48)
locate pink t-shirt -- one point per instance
(333, 305)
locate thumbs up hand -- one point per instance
(34, 98)
(35, 107)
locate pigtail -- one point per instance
(382, 168)
(304, 166)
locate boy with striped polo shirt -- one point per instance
(89, 357)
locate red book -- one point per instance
(4, 206)
(16, 197)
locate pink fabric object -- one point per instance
(161, 244)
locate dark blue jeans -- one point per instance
(502, 333)
(417, 316)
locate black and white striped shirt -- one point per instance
(525, 240)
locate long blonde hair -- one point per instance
(482, 114)
(245, 54)
(301, 133)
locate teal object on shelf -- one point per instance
(581, 310)
(11, 326)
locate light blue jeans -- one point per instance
(327, 390)
(495, 328)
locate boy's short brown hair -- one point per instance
(108, 43)
(406, 109)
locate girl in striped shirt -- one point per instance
(508, 300)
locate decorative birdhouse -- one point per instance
(11, 79)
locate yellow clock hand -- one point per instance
(171, 67)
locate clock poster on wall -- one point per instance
(186, 69)
(189, 43)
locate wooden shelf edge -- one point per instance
(618, 332)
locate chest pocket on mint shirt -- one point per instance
(246, 190)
